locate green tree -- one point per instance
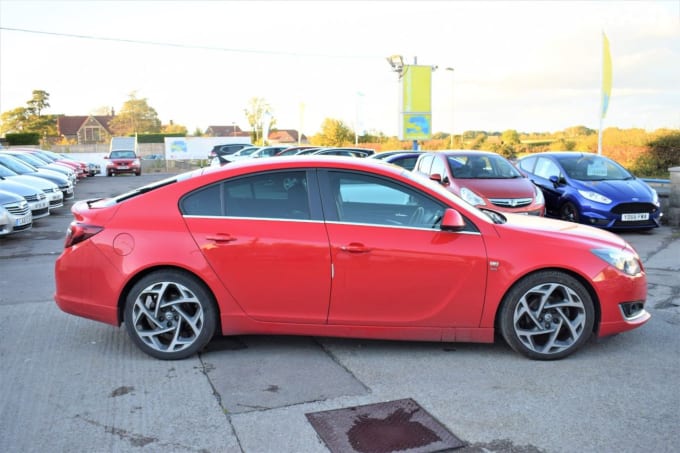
(135, 117)
(14, 120)
(39, 102)
(173, 128)
(333, 133)
(510, 137)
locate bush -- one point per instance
(23, 139)
(156, 138)
(663, 153)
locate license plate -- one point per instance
(25, 220)
(123, 167)
(635, 216)
(42, 205)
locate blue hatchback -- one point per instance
(592, 189)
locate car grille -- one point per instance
(511, 202)
(631, 208)
(18, 209)
(36, 197)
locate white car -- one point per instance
(15, 214)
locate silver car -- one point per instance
(36, 198)
(55, 196)
(15, 214)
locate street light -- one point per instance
(452, 110)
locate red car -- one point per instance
(123, 161)
(333, 246)
(483, 179)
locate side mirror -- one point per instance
(556, 180)
(438, 178)
(106, 157)
(452, 220)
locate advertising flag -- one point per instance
(606, 75)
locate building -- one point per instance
(85, 129)
(226, 131)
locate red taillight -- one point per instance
(78, 232)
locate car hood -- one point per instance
(629, 189)
(558, 229)
(499, 188)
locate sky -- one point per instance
(522, 65)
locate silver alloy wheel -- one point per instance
(549, 318)
(167, 317)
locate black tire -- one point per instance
(170, 315)
(547, 316)
(569, 212)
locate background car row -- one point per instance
(33, 183)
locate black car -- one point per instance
(223, 151)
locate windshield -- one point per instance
(486, 166)
(122, 155)
(16, 165)
(593, 168)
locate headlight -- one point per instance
(655, 197)
(623, 260)
(539, 196)
(594, 196)
(471, 197)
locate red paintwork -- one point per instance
(329, 278)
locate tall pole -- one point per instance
(452, 110)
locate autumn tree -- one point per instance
(333, 133)
(39, 102)
(173, 128)
(135, 117)
(256, 112)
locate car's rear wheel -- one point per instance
(170, 315)
(569, 212)
(547, 316)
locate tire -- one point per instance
(569, 212)
(547, 316)
(170, 315)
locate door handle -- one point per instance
(221, 238)
(355, 247)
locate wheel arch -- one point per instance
(143, 273)
(586, 284)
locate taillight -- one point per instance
(78, 232)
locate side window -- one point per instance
(425, 164)
(372, 200)
(545, 168)
(439, 168)
(203, 202)
(274, 195)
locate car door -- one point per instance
(264, 237)
(545, 169)
(392, 265)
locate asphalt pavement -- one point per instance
(69, 384)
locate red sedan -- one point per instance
(483, 179)
(332, 246)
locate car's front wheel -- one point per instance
(569, 212)
(170, 315)
(547, 316)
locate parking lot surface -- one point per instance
(70, 384)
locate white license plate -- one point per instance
(634, 217)
(123, 167)
(42, 205)
(25, 220)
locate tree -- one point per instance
(135, 117)
(333, 133)
(173, 128)
(14, 120)
(255, 113)
(39, 102)
(510, 137)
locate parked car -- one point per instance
(121, 161)
(267, 151)
(36, 199)
(65, 185)
(339, 247)
(405, 159)
(483, 179)
(78, 168)
(293, 150)
(350, 152)
(592, 189)
(384, 154)
(220, 154)
(15, 214)
(38, 163)
(55, 197)
(93, 169)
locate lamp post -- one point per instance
(452, 110)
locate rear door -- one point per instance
(264, 237)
